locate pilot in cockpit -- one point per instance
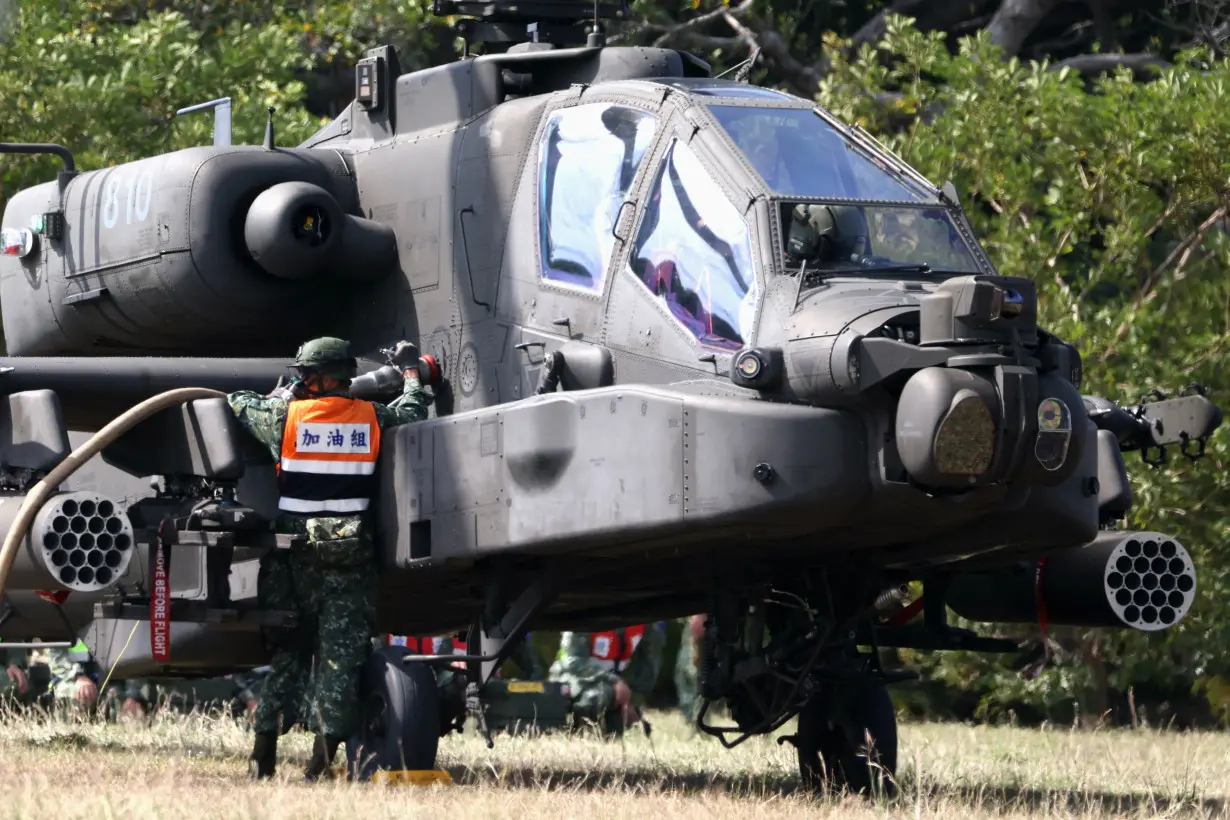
(827, 236)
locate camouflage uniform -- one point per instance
(10, 695)
(248, 685)
(138, 690)
(687, 670)
(330, 583)
(68, 667)
(592, 686)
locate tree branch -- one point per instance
(874, 28)
(1015, 21)
(802, 78)
(700, 20)
(1092, 64)
(742, 31)
(1180, 252)
(929, 15)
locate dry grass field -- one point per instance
(195, 767)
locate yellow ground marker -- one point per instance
(407, 777)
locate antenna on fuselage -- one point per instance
(742, 69)
(746, 69)
(597, 37)
(269, 146)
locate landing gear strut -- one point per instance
(795, 649)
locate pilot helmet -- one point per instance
(826, 233)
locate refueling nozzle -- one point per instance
(389, 379)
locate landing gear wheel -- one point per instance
(832, 740)
(399, 719)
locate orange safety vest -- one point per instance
(329, 451)
(609, 651)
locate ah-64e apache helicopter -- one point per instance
(703, 348)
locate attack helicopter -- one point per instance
(694, 345)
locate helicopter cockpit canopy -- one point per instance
(842, 208)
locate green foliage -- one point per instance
(109, 92)
(105, 77)
(1113, 199)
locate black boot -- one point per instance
(264, 755)
(324, 749)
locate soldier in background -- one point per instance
(610, 673)
(236, 694)
(15, 683)
(74, 677)
(248, 687)
(687, 666)
(134, 698)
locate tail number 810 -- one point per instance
(136, 198)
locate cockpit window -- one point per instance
(730, 89)
(693, 251)
(587, 161)
(799, 154)
(862, 238)
(740, 92)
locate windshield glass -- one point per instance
(797, 153)
(694, 252)
(853, 237)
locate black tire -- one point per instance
(832, 746)
(399, 720)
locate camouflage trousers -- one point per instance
(143, 692)
(687, 673)
(315, 666)
(592, 697)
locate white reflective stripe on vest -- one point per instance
(336, 505)
(311, 465)
(608, 665)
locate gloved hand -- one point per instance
(282, 390)
(405, 355)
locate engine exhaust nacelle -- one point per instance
(1141, 580)
(79, 541)
(297, 230)
(189, 254)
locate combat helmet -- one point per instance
(328, 356)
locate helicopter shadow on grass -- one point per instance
(983, 797)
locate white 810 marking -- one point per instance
(138, 194)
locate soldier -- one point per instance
(74, 676)
(248, 687)
(325, 444)
(15, 685)
(687, 666)
(608, 673)
(134, 698)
